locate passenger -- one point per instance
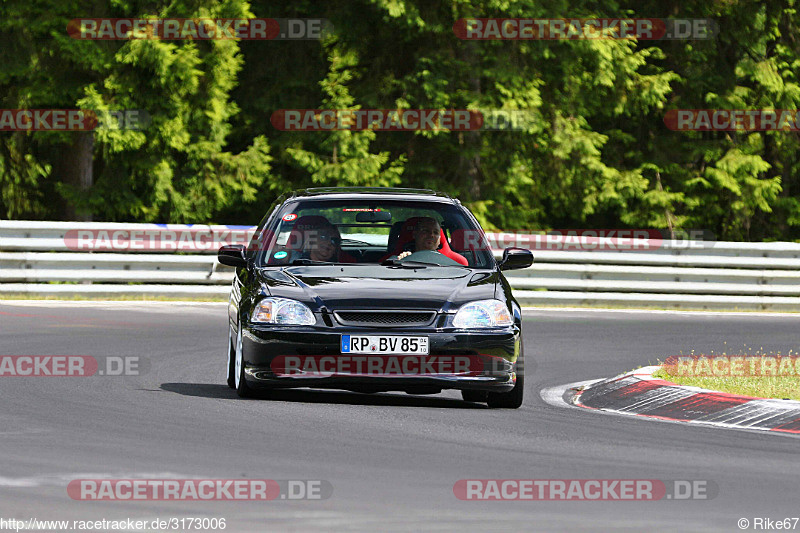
(321, 243)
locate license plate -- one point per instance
(384, 344)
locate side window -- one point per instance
(262, 239)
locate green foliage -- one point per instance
(178, 169)
(342, 158)
(595, 151)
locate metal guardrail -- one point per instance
(36, 267)
(44, 258)
(33, 236)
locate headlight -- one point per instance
(483, 314)
(282, 311)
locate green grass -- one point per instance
(781, 387)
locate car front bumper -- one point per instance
(493, 355)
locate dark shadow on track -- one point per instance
(207, 390)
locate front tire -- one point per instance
(240, 382)
(513, 398)
(231, 359)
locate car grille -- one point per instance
(386, 319)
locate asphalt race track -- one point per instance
(392, 459)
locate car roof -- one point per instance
(360, 193)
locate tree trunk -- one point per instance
(76, 171)
(470, 158)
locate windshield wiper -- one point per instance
(405, 264)
(302, 261)
(354, 242)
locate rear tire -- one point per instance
(477, 396)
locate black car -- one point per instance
(371, 290)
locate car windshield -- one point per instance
(393, 233)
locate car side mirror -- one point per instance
(232, 255)
(515, 258)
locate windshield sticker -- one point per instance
(279, 255)
(289, 217)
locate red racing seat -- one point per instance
(407, 235)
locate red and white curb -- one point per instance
(638, 393)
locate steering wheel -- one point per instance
(431, 256)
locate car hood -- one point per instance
(337, 287)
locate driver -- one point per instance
(427, 236)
